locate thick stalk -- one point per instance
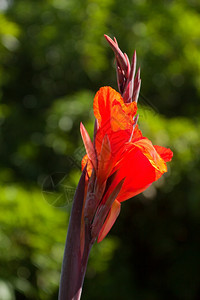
(74, 266)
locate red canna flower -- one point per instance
(125, 162)
(120, 163)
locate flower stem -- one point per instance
(74, 266)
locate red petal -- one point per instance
(141, 165)
(104, 208)
(117, 140)
(150, 152)
(165, 153)
(102, 105)
(88, 145)
(110, 220)
(104, 161)
(115, 118)
(139, 170)
(137, 134)
(85, 161)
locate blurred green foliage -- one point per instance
(53, 58)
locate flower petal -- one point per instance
(165, 153)
(88, 146)
(117, 140)
(102, 104)
(105, 163)
(85, 161)
(137, 134)
(114, 118)
(110, 220)
(150, 152)
(141, 165)
(104, 208)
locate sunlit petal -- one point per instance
(165, 153)
(88, 146)
(150, 152)
(110, 220)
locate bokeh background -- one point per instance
(53, 58)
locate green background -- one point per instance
(53, 58)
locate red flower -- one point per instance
(121, 163)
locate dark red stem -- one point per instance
(74, 266)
